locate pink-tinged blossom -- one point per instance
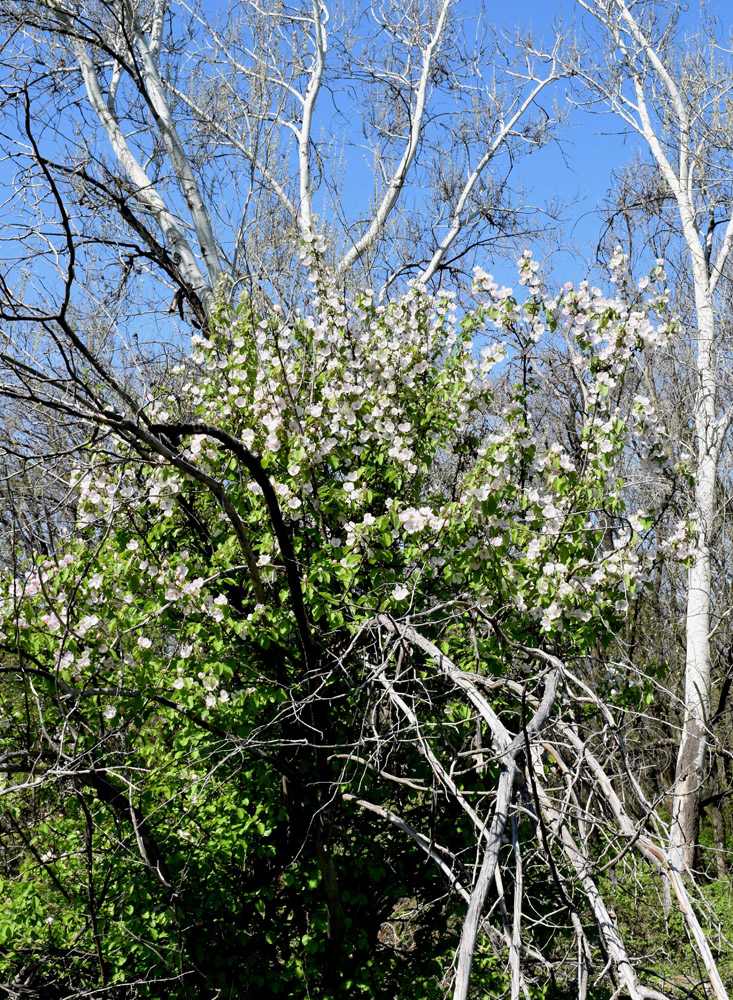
(51, 621)
(66, 660)
(412, 520)
(533, 549)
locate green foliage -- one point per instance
(192, 697)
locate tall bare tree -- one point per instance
(189, 140)
(673, 91)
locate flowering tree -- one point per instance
(317, 668)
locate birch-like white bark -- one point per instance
(397, 181)
(472, 921)
(643, 60)
(515, 951)
(460, 678)
(145, 191)
(656, 855)
(605, 921)
(509, 748)
(691, 761)
(157, 20)
(437, 768)
(185, 176)
(507, 779)
(320, 42)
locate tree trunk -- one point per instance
(691, 761)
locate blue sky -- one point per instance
(593, 145)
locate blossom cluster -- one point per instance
(406, 460)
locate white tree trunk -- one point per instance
(653, 72)
(691, 761)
